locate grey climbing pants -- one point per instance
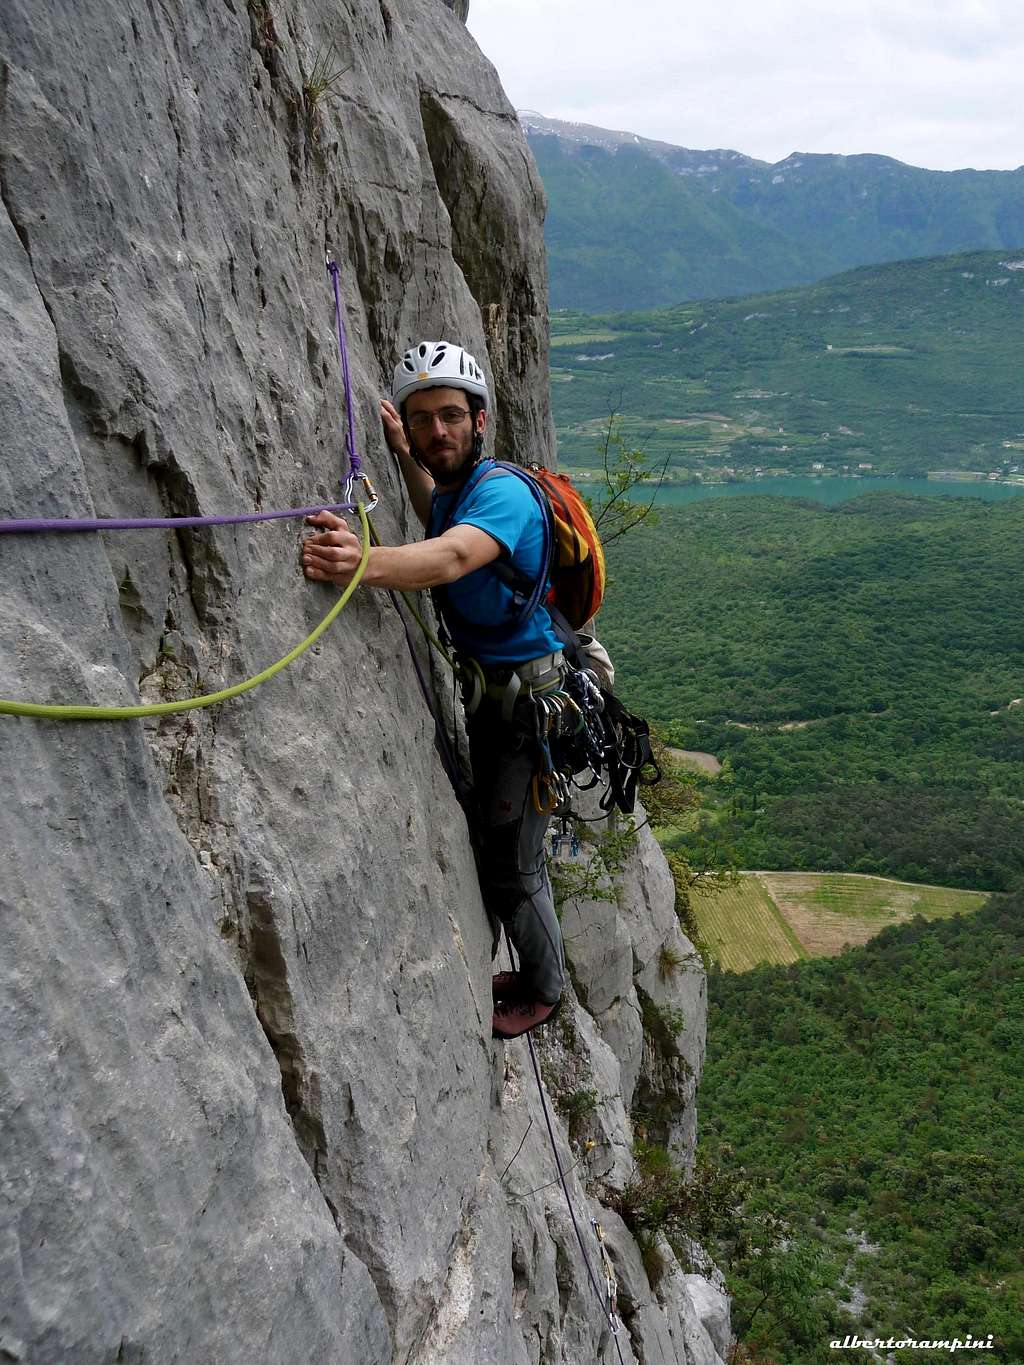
(509, 839)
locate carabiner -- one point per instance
(472, 681)
(548, 806)
(350, 483)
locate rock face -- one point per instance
(250, 1109)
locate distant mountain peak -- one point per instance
(588, 134)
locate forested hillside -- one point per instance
(875, 1103)
(634, 223)
(859, 669)
(905, 368)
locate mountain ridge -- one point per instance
(590, 134)
(634, 223)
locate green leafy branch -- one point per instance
(659, 1198)
(623, 467)
(590, 877)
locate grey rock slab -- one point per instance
(248, 1100)
(700, 1311)
(622, 1029)
(600, 956)
(681, 1322)
(644, 983)
(599, 950)
(559, 1314)
(473, 1322)
(142, 1113)
(609, 1126)
(665, 1324)
(711, 1305)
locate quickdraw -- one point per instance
(562, 836)
(545, 802)
(570, 739)
(611, 1283)
(355, 464)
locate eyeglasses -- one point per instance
(451, 417)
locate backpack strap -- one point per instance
(514, 578)
(527, 593)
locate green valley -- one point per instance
(903, 368)
(848, 681)
(871, 1105)
(856, 668)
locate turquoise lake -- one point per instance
(833, 490)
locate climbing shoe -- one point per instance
(512, 1018)
(508, 986)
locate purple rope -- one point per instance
(155, 523)
(355, 462)
(37, 525)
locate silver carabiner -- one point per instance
(350, 483)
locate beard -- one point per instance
(447, 459)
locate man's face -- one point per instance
(440, 425)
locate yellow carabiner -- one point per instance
(548, 806)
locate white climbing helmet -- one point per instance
(434, 365)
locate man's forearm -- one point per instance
(333, 556)
(426, 564)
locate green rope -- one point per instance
(467, 671)
(428, 633)
(167, 708)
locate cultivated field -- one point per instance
(778, 917)
(742, 927)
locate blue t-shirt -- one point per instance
(504, 507)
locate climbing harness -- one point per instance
(581, 731)
(68, 524)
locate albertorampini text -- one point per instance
(911, 1344)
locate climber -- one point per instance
(434, 425)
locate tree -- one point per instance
(622, 469)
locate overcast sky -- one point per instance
(936, 83)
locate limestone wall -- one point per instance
(249, 1105)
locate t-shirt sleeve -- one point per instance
(502, 506)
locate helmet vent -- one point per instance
(431, 364)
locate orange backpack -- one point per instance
(577, 559)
